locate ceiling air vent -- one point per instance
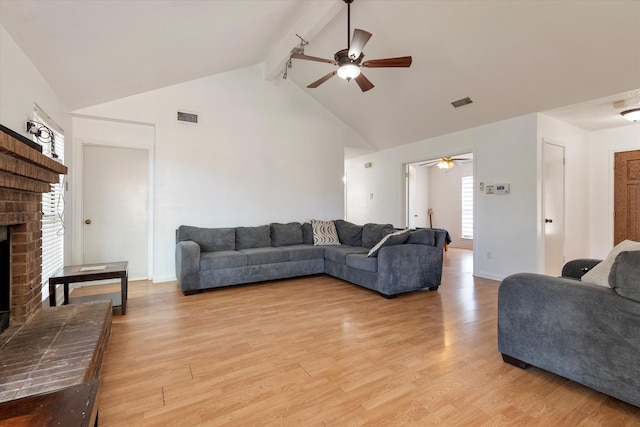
(462, 102)
(187, 117)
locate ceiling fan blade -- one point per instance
(313, 58)
(322, 79)
(403, 61)
(363, 82)
(360, 38)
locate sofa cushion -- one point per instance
(363, 262)
(422, 237)
(222, 259)
(286, 234)
(599, 275)
(339, 253)
(307, 233)
(256, 256)
(395, 238)
(253, 237)
(349, 233)
(209, 239)
(625, 275)
(304, 252)
(373, 233)
(324, 233)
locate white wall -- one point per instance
(263, 152)
(505, 227)
(589, 182)
(445, 198)
(22, 86)
(604, 144)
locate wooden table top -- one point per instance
(84, 270)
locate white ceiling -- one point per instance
(569, 59)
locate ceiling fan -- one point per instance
(349, 60)
(445, 162)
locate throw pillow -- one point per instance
(625, 275)
(599, 275)
(396, 238)
(286, 234)
(253, 237)
(307, 233)
(372, 233)
(349, 233)
(422, 237)
(324, 233)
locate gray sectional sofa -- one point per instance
(406, 260)
(585, 332)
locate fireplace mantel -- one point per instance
(25, 174)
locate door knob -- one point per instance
(548, 220)
(87, 221)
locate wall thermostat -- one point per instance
(502, 188)
(498, 189)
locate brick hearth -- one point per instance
(58, 347)
(25, 174)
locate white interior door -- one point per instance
(553, 200)
(417, 195)
(115, 207)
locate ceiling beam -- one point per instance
(315, 18)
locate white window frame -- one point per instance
(467, 207)
(52, 205)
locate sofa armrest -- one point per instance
(188, 265)
(409, 267)
(578, 267)
(586, 333)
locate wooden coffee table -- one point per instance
(90, 272)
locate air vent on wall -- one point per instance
(187, 117)
(462, 102)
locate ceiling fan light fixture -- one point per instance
(632, 115)
(348, 71)
(445, 164)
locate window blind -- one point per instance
(52, 203)
(467, 207)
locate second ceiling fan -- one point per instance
(349, 60)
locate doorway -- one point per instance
(553, 207)
(434, 196)
(115, 194)
(626, 196)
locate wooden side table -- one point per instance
(90, 272)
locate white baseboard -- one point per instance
(162, 279)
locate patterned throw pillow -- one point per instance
(396, 238)
(324, 233)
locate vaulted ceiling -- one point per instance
(569, 59)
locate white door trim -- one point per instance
(546, 142)
(86, 128)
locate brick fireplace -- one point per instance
(43, 351)
(25, 173)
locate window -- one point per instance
(51, 137)
(467, 207)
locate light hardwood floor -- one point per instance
(318, 351)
